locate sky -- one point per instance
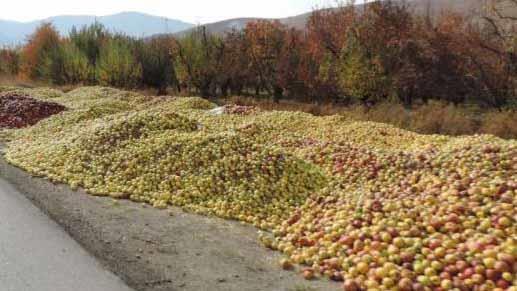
(194, 11)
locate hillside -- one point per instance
(300, 21)
(141, 25)
(131, 23)
(221, 27)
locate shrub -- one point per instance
(442, 118)
(500, 123)
(9, 62)
(390, 112)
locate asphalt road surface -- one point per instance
(37, 255)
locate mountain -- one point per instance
(130, 23)
(224, 26)
(144, 25)
(435, 7)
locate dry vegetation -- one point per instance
(431, 118)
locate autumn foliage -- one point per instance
(366, 55)
(41, 46)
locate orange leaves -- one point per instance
(266, 41)
(44, 40)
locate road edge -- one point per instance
(75, 223)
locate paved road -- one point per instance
(37, 255)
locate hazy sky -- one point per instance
(195, 11)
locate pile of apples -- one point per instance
(437, 219)
(365, 204)
(157, 155)
(21, 110)
(240, 109)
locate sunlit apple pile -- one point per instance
(365, 204)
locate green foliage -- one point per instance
(361, 78)
(76, 68)
(157, 63)
(117, 65)
(89, 40)
(198, 60)
(65, 64)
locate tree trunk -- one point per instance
(162, 91)
(278, 93)
(225, 88)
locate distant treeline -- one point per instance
(367, 55)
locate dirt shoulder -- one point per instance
(162, 250)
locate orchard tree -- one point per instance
(42, 43)
(234, 75)
(289, 64)
(328, 31)
(199, 59)
(265, 46)
(375, 52)
(66, 65)
(9, 61)
(501, 39)
(156, 58)
(117, 65)
(90, 40)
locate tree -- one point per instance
(76, 67)
(234, 74)
(9, 62)
(42, 43)
(117, 65)
(501, 39)
(266, 44)
(65, 65)
(90, 40)
(362, 78)
(328, 31)
(289, 64)
(199, 60)
(375, 52)
(157, 62)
